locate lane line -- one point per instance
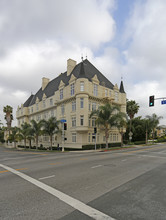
(124, 160)
(57, 163)
(96, 166)
(76, 204)
(42, 178)
(5, 171)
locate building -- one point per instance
(72, 96)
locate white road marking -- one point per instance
(76, 204)
(96, 166)
(124, 160)
(42, 178)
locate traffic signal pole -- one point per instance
(152, 98)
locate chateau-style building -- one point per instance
(72, 96)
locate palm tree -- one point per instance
(121, 125)
(50, 127)
(8, 115)
(24, 132)
(36, 130)
(132, 109)
(106, 118)
(14, 135)
(153, 122)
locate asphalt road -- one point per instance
(121, 184)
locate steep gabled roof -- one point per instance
(82, 70)
(121, 87)
(28, 101)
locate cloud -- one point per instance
(145, 55)
(37, 38)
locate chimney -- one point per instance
(45, 81)
(70, 66)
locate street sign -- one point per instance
(130, 133)
(163, 102)
(63, 120)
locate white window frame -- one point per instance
(73, 106)
(72, 89)
(61, 94)
(62, 109)
(73, 119)
(74, 137)
(95, 90)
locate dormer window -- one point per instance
(72, 89)
(95, 90)
(44, 104)
(116, 96)
(51, 102)
(61, 94)
(106, 92)
(37, 106)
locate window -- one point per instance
(93, 122)
(89, 122)
(95, 90)
(61, 94)
(93, 137)
(93, 106)
(52, 113)
(45, 116)
(73, 121)
(103, 138)
(81, 86)
(89, 137)
(98, 137)
(62, 109)
(72, 88)
(51, 102)
(81, 120)
(74, 137)
(106, 92)
(73, 106)
(110, 93)
(37, 106)
(81, 102)
(32, 109)
(116, 96)
(44, 104)
(111, 137)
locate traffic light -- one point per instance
(65, 126)
(95, 130)
(151, 101)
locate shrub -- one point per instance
(139, 142)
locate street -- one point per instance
(120, 184)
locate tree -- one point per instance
(121, 125)
(14, 135)
(132, 109)
(24, 132)
(36, 130)
(50, 127)
(107, 117)
(8, 115)
(153, 122)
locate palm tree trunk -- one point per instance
(121, 139)
(25, 142)
(146, 136)
(106, 138)
(51, 141)
(36, 142)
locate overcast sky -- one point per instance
(122, 38)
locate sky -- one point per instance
(122, 38)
